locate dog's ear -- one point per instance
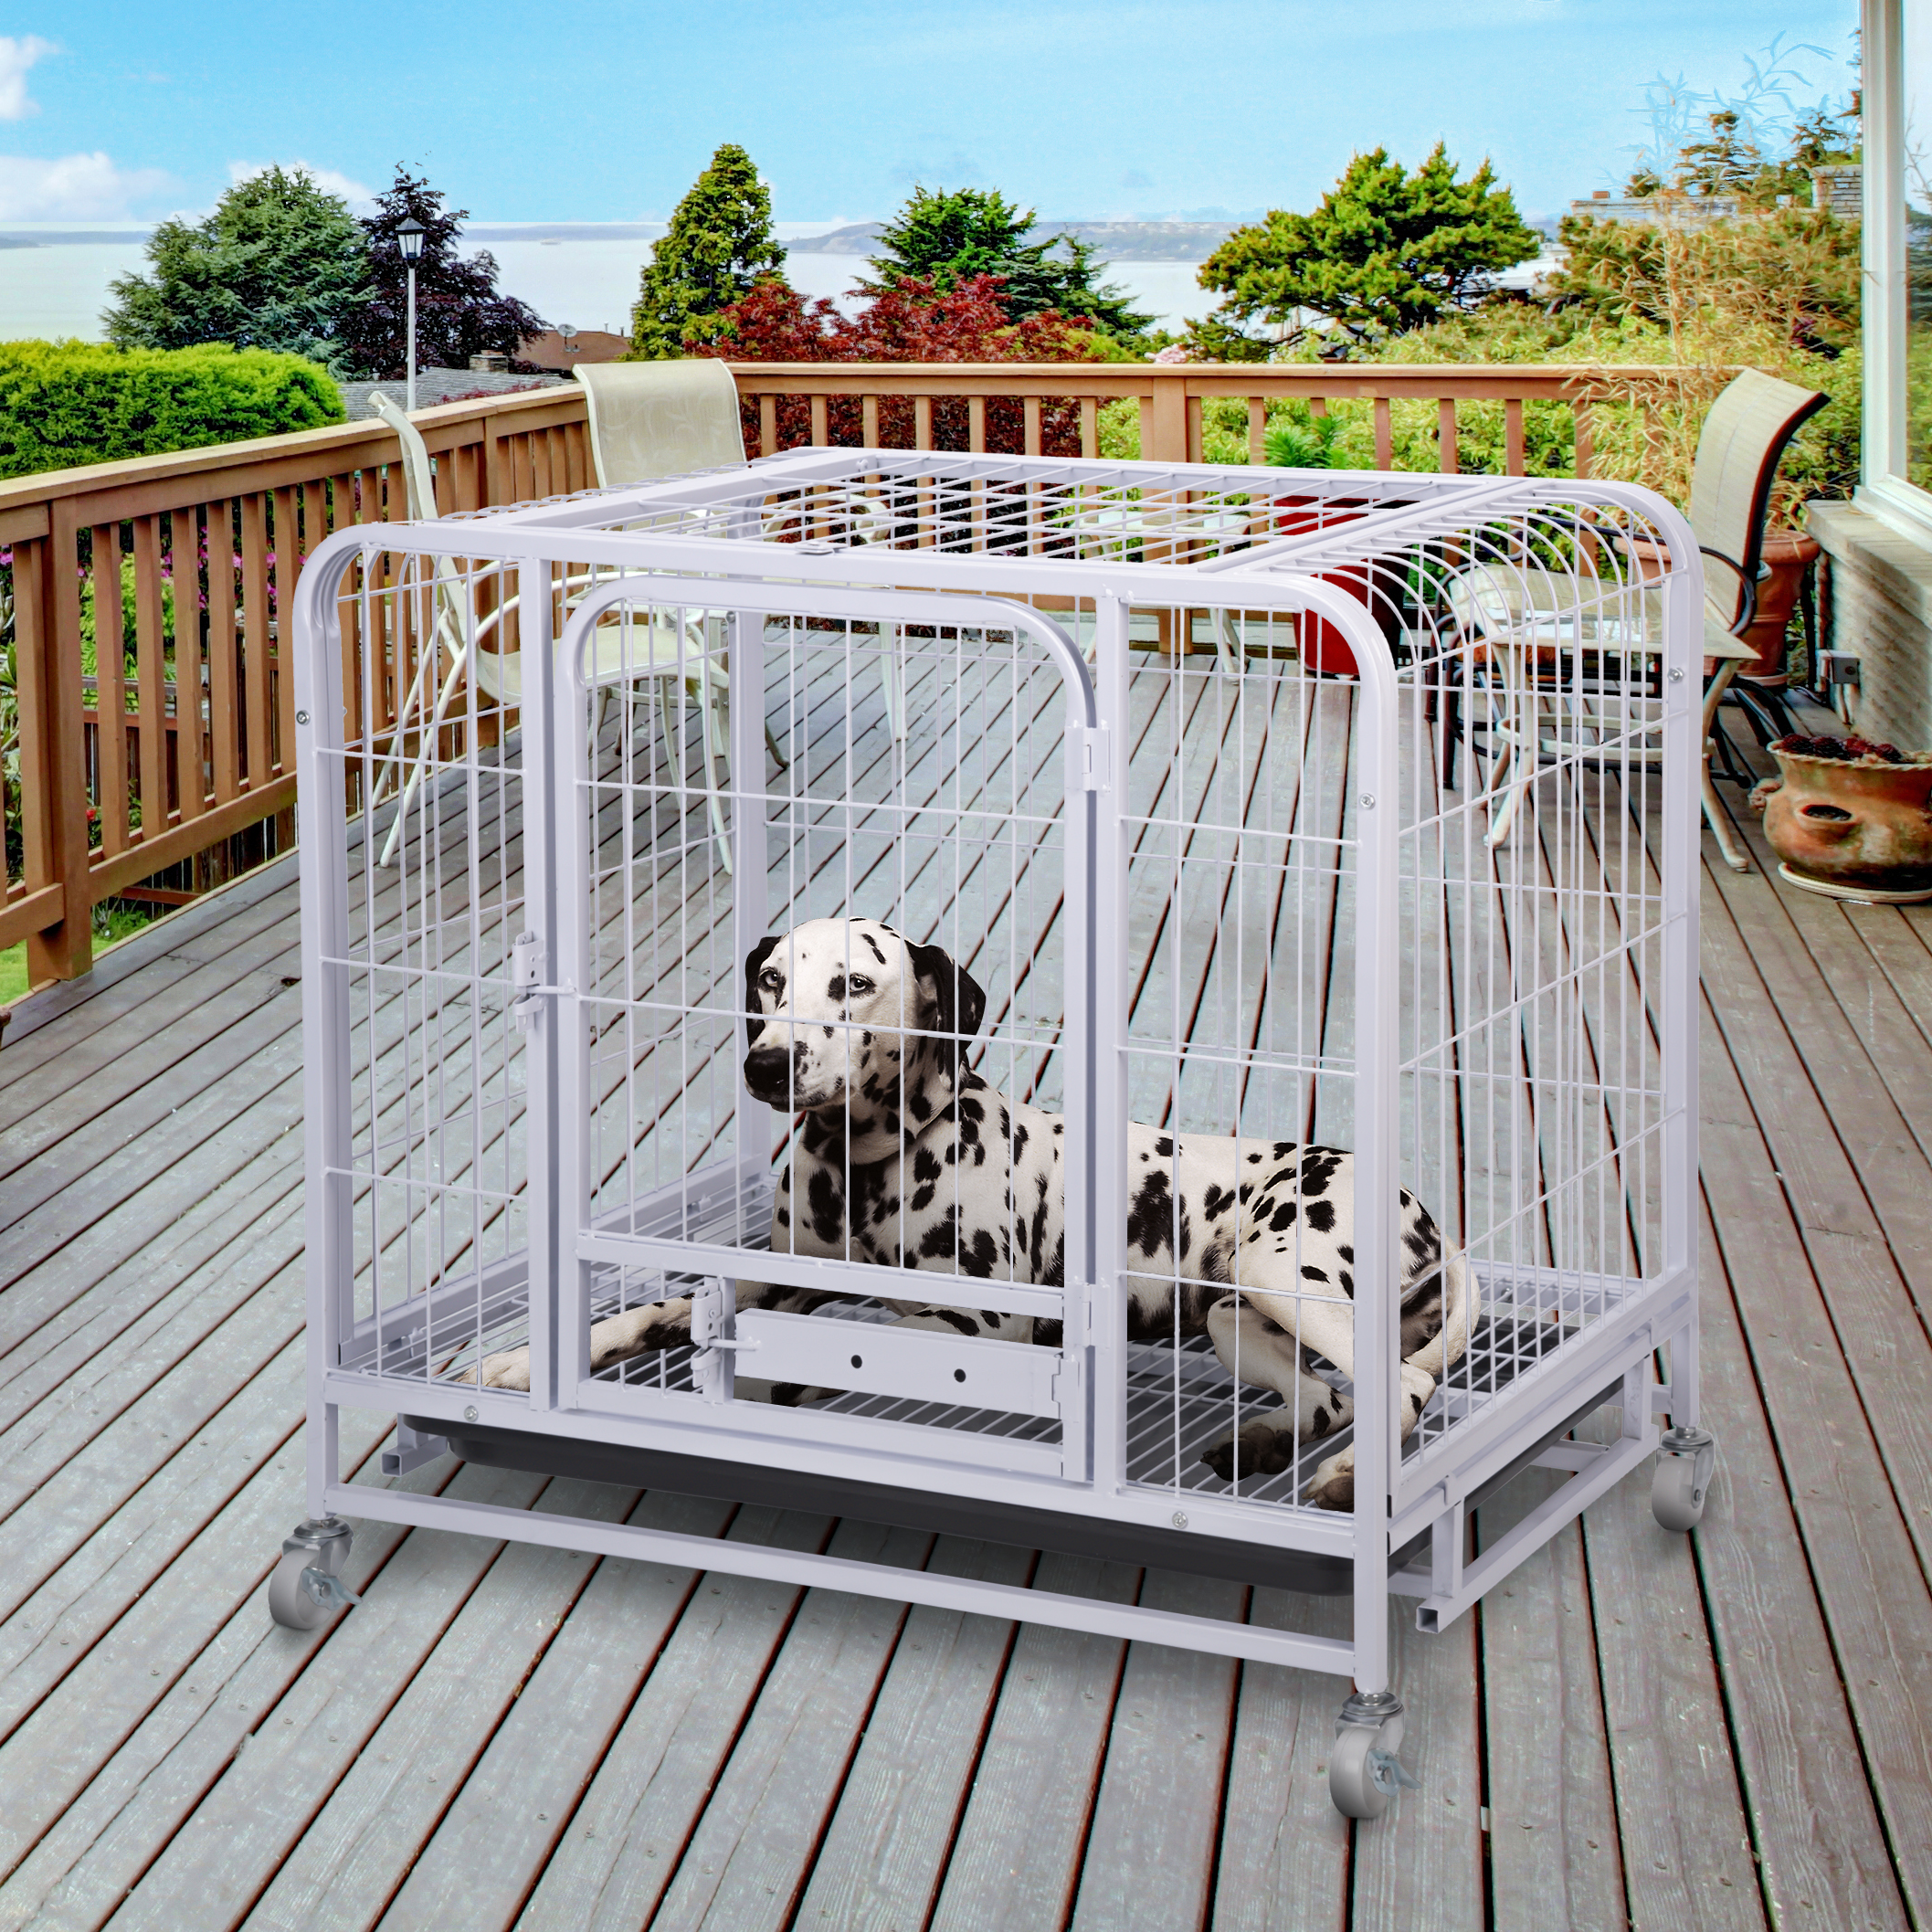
(753, 965)
(959, 1004)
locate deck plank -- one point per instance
(361, 1845)
(747, 1862)
(630, 1830)
(1018, 1857)
(1553, 1849)
(886, 1847)
(221, 1861)
(1686, 1860)
(211, 1683)
(1283, 1858)
(1814, 1826)
(1419, 1867)
(1149, 1858)
(491, 1847)
(1876, 1604)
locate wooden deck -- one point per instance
(1729, 1730)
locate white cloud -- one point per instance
(360, 198)
(75, 187)
(16, 58)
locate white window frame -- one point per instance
(1885, 488)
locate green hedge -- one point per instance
(66, 403)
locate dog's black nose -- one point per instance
(768, 1074)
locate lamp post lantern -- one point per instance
(409, 239)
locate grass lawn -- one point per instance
(112, 922)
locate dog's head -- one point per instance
(847, 1013)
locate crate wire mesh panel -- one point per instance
(1263, 809)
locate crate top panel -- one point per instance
(1073, 523)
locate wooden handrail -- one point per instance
(110, 793)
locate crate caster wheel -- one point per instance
(1364, 1772)
(305, 1586)
(1686, 1459)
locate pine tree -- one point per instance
(458, 313)
(1386, 251)
(947, 239)
(719, 247)
(281, 264)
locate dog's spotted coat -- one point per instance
(908, 1158)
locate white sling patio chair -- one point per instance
(664, 418)
(624, 652)
(1528, 617)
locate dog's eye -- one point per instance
(858, 984)
(771, 980)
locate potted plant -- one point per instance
(1850, 819)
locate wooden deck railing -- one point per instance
(110, 781)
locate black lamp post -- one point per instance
(409, 239)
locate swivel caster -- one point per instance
(306, 1584)
(1682, 1481)
(1364, 1772)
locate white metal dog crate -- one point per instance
(1306, 807)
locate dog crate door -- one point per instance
(877, 802)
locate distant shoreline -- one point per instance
(1123, 240)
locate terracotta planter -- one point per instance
(1788, 552)
(1851, 829)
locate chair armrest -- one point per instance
(1746, 591)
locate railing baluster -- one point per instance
(150, 672)
(1257, 428)
(190, 782)
(921, 422)
(1446, 434)
(1384, 434)
(225, 646)
(976, 429)
(821, 423)
(1586, 446)
(1031, 413)
(869, 418)
(288, 573)
(1090, 426)
(1513, 457)
(255, 623)
(110, 696)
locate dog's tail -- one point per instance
(1461, 1307)
(1465, 1306)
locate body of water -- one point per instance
(60, 289)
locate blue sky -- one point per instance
(605, 110)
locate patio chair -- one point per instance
(623, 652)
(1532, 628)
(667, 419)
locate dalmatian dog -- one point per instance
(906, 1157)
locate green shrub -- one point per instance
(63, 403)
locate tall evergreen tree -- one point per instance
(458, 311)
(281, 264)
(719, 247)
(947, 237)
(1387, 250)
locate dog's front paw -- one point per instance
(1256, 1449)
(509, 1369)
(1334, 1485)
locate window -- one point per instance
(1915, 44)
(1897, 150)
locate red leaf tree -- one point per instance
(914, 322)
